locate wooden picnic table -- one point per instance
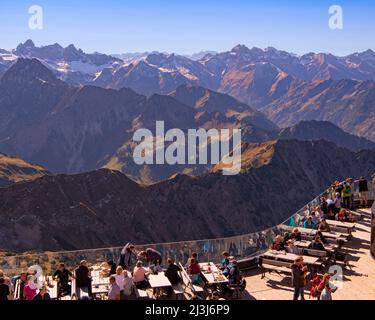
(305, 244)
(282, 255)
(158, 282)
(331, 234)
(212, 273)
(342, 224)
(347, 227)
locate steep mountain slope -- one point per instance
(324, 130)
(347, 103)
(105, 208)
(14, 170)
(205, 100)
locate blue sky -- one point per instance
(116, 26)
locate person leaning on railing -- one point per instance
(363, 191)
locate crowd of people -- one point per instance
(126, 276)
(337, 204)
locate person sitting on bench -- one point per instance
(278, 244)
(140, 276)
(296, 235)
(316, 244)
(324, 226)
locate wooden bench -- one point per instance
(178, 291)
(248, 264)
(322, 255)
(274, 265)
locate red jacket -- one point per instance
(194, 268)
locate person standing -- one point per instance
(127, 256)
(298, 278)
(62, 275)
(363, 191)
(30, 288)
(114, 289)
(83, 279)
(346, 194)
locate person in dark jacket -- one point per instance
(43, 294)
(112, 267)
(172, 272)
(62, 275)
(298, 278)
(4, 290)
(83, 279)
(363, 191)
(152, 256)
(324, 206)
(127, 256)
(317, 244)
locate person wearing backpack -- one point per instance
(346, 194)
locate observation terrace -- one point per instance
(353, 242)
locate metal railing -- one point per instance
(241, 246)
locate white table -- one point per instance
(159, 280)
(212, 273)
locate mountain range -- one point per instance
(71, 129)
(67, 175)
(286, 87)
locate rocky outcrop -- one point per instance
(13, 170)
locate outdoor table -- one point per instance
(343, 224)
(158, 281)
(305, 244)
(282, 255)
(212, 273)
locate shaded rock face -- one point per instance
(106, 208)
(13, 170)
